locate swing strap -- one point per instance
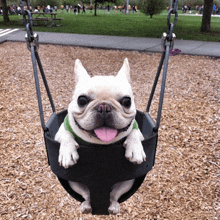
(166, 45)
(33, 45)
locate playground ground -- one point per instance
(185, 182)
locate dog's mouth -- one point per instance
(105, 133)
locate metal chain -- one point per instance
(169, 37)
(167, 45)
(31, 38)
(32, 41)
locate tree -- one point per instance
(96, 4)
(206, 19)
(5, 11)
(151, 7)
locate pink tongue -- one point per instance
(105, 133)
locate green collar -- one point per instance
(78, 139)
(68, 128)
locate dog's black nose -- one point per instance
(104, 108)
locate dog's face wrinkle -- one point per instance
(94, 103)
(80, 126)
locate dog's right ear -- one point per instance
(80, 72)
(124, 72)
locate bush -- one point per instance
(151, 7)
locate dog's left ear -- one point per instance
(124, 72)
(80, 72)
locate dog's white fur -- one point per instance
(100, 89)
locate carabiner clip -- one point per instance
(165, 39)
(34, 42)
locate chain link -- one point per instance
(169, 37)
(31, 38)
(174, 5)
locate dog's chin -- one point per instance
(104, 134)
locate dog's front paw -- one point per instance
(68, 155)
(86, 207)
(114, 208)
(134, 152)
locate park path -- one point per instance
(4, 32)
(190, 47)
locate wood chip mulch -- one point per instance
(185, 182)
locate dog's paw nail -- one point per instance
(77, 146)
(87, 211)
(86, 207)
(66, 167)
(114, 208)
(74, 161)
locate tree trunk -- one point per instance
(206, 19)
(5, 11)
(95, 7)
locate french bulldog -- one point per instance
(102, 111)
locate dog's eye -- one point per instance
(82, 101)
(126, 102)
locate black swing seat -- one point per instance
(99, 166)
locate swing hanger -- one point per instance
(33, 42)
(32, 39)
(169, 37)
(167, 43)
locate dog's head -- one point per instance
(102, 109)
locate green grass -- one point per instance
(134, 25)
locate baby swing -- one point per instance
(100, 167)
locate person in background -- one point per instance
(201, 9)
(84, 9)
(47, 9)
(35, 9)
(62, 7)
(75, 9)
(78, 7)
(189, 8)
(213, 9)
(18, 10)
(133, 9)
(218, 11)
(67, 8)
